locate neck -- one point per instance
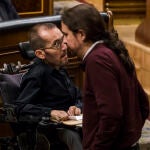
(57, 67)
(83, 50)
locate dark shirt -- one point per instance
(115, 104)
(44, 88)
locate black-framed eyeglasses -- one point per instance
(56, 44)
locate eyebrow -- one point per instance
(56, 40)
(63, 33)
(60, 39)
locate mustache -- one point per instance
(64, 53)
(70, 53)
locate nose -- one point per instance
(64, 44)
(64, 40)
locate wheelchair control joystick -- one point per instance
(12, 68)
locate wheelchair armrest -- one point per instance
(29, 119)
(45, 122)
(2, 115)
(8, 113)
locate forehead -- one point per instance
(50, 34)
(65, 29)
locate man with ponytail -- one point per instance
(115, 104)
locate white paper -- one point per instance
(75, 117)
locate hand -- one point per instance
(59, 115)
(73, 110)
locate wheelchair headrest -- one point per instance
(26, 50)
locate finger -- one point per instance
(64, 118)
(71, 110)
(63, 114)
(77, 111)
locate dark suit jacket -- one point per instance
(43, 88)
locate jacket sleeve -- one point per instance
(108, 101)
(25, 102)
(144, 102)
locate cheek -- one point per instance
(64, 60)
(72, 42)
(53, 58)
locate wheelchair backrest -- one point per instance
(9, 87)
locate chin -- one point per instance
(71, 52)
(65, 62)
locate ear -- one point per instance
(40, 54)
(82, 34)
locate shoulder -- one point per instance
(102, 58)
(101, 54)
(38, 70)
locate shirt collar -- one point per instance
(91, 47)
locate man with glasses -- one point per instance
(46, 89)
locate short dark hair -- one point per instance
(35, 39)
(87, 18)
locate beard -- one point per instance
(71, 53)
(64, 58)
